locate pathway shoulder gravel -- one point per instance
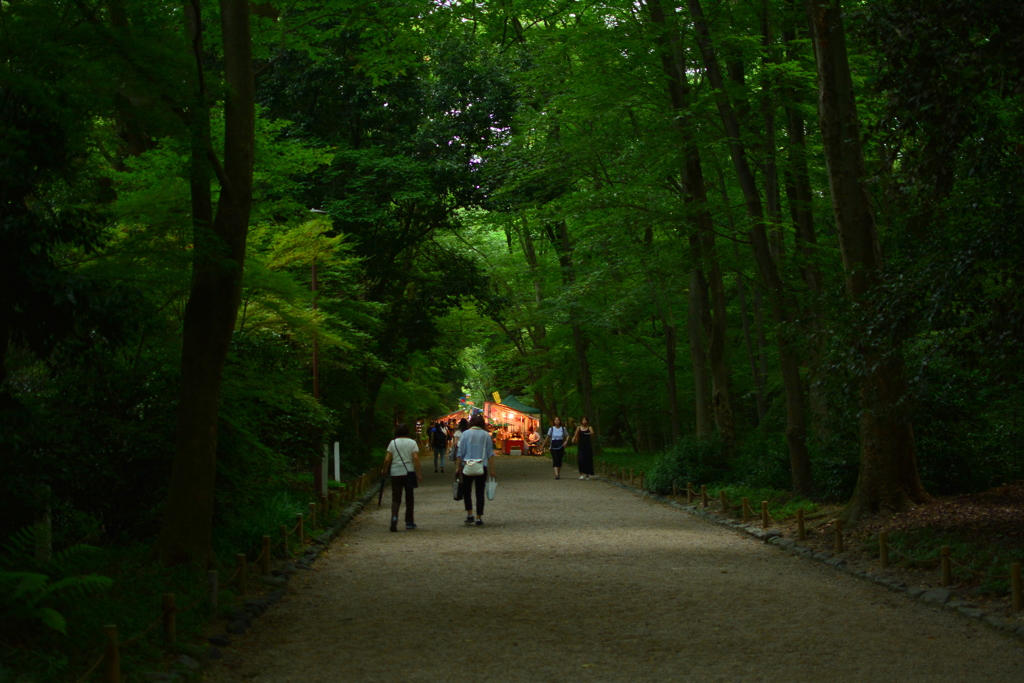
(575, 580)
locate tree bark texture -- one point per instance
(219, 254)
(708, 275)
(799, 195)
(698, 357)
(796, 430)
(888, 475)
(581, 344)
(758, 371)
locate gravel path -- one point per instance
(582, 581)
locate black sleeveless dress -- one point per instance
(585, 453)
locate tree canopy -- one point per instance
(788, 230)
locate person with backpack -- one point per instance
(402, 462)
(475, 465)
(460, 429)
(438, 443)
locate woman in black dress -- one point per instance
(583, 438)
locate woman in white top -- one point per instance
(557, 436)
(403, 464)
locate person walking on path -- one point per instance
(585, 452)
(475, 464)
(456, 436)
(557, 436)
(402, 462)
(438, 441)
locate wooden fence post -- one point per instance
(170, 618)
(883, 548)
(300, 529)
(838, 531)
(212, 586)
(264, 557)
(703, 496)
(801, 530)
(764, 514)
(725, 503)
(947, 568)
(240, 563)
(689, 493)
(1015, 583)
(675, 492)
(112, 657)
(746, 509)
(284, 541)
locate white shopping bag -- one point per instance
(492, 484)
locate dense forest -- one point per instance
(778, 242)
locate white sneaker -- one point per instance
(581, 478)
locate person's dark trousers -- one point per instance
(438, 457)
(478, 482)
(397, 486)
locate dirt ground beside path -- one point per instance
(581, 581)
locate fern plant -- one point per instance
(26, 596)
(23, 595)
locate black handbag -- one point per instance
(457, 488)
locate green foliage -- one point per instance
(762, 461)
(242, 528)
(975, 561)
(782, 504)
(698, 461)
(36, 596)
(23, 596)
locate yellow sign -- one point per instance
(497, 398)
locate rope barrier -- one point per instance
(203, 595)
(93, 667)
(980, 573)
(146, 630)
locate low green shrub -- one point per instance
(762, 460)
(244, 528)
(782, 504)
(988, 564)
(691, 460)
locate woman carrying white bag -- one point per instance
(475, 465)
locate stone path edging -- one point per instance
(188, 666)
(935, 597)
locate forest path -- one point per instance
(581, 581)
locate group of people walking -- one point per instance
(471, 448)
(582, 437)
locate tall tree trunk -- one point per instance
(756, 372)
(773, 199)
(796, 430)
(800, 198)
(721, 405)
(694, 191)
(888, 465)
(671, 339)
(698, 357)
(670, 381)
(581, 344)
(212, 308)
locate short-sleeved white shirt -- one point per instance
(402, 449)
